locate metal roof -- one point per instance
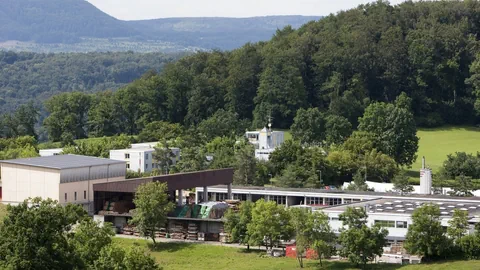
(407, 206)
(61, 162)
(174, 181)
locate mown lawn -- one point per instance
(435, 144)
(173, 256)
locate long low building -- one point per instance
(388, 210)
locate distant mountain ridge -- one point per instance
(44, 24)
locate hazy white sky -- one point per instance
(151, 9)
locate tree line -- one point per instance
(26, 76)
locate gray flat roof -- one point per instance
(347, 192)
(62, 161)
(407, 206)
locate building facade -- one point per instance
(139, 158)
(65, 178)
(265, 141)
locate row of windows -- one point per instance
(391, 224)
(279, 199)
(75, 195)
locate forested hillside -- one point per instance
(31, 76)
(340, 64)
(352, 88)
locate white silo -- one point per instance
(425, 179)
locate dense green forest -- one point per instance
(72, 25)
(31, 76)
(341, 64)
(352, 88)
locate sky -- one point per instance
(153, 9)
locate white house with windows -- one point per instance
(139, 158)
(265, 141)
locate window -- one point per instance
(240, 197)
(402, 224)
(146, 166)
(279, 199)
(128, 165)
(127, 156)
(75, 196)
(84, 194)
(314, 201)
(385, 223)
(333, 201)
(65, 196)
(220, 197)
(146, 156)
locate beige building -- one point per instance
(65, 178)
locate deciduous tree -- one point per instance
(152, 207)
(426, 236)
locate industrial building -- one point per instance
(65, 178)
(389, 210)
(114, 201)
(265, 141)
(139, 158)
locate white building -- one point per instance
(65, 178)
(50, 152)
(389, 210)
(139, 158)
(265, 141)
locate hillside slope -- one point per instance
(78, 26)
(57, 21)
(217, 33)
(32, 76)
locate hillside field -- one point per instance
(435, 144)
(173, 256)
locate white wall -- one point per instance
(50, 152)
(22, 182)
(140, 159)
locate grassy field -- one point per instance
(436, 144)
(173, 256)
